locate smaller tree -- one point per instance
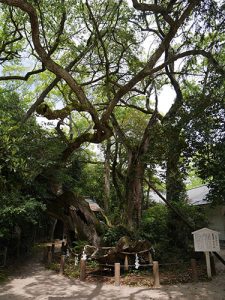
(18, 167)
(206, 135)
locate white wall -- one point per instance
(216, 217)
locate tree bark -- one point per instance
(76, 215)
(134, 190)
(175, 188)
(115, 179)
(107, 177)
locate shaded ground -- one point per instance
(33, 281)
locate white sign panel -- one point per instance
(206, 240)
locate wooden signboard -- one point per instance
(206, 240)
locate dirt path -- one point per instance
(33, 281)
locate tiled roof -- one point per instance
(196, 196)
(93, 205)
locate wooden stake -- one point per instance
(5, 256)
(53, 248)
(213, 266)
(194, 270)
(82, 269)
(150, 258)
(126, 266)
(49, 255)
(63, 248)
(62, 263)
(156, 274)
(208, 266)
(45, 254)
(117, 274)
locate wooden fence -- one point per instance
(49, 253)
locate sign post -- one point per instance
(206, 240)
(208, 265)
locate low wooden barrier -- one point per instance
(50, 250)
(155, 270)
(117, 269)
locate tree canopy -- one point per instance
(96, 70)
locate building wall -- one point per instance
(216, 217)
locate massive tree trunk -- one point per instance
(118, 179)
(134, 190)
(107, 177)
(76, 215)
(175, 187)
(69, 207)
(135, 170)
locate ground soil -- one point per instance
(31, 280)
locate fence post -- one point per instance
(53, 248)
(63, 248)
(126, 266)
(213, 266)
(62, 263)
(45, 254)
(49, 255)
(150, 258)
(156, 274)
(5, 256)
(194, 269)
(82, 269)
(208, 265)
(117, 274)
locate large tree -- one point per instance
(88, 57)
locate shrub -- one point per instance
(113, 234)
(154, 223)
(170, 237)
